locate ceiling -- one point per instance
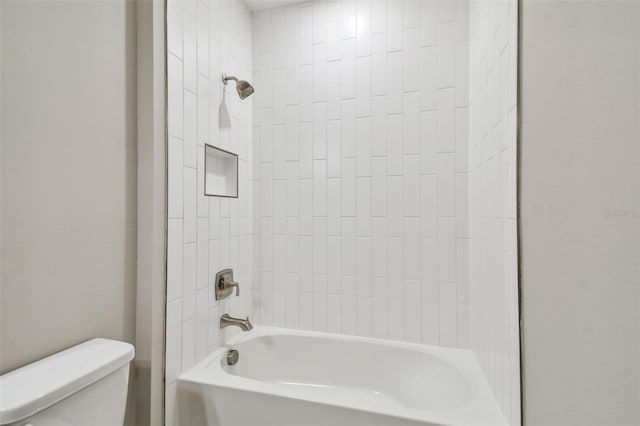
(257, 5)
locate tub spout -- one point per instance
(226, 320)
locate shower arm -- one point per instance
(226, 78)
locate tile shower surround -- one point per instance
(360, 154)
(493, 256)
(205, 234)
(357, 211)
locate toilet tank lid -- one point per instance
(27, 390)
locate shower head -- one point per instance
(243, 88)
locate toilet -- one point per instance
(85, 385)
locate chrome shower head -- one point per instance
(243, 88)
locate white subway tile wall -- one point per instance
(205, 234)
(376, 206)
(493, 259)
(377, 180)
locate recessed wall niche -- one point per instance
(220, 173)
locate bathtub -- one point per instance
(293, 378)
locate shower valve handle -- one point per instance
(225, 284)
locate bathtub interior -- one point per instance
(386, 375)
(410, 383)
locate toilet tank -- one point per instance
(85, 385)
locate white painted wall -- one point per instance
(68, 176)
(152, 212)
(493, 259)
(361, 147)
(68, 169)
(205, 235)
(581, 212)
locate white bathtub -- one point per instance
(295, 378)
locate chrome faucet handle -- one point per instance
(224, 284)
(230, 283)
